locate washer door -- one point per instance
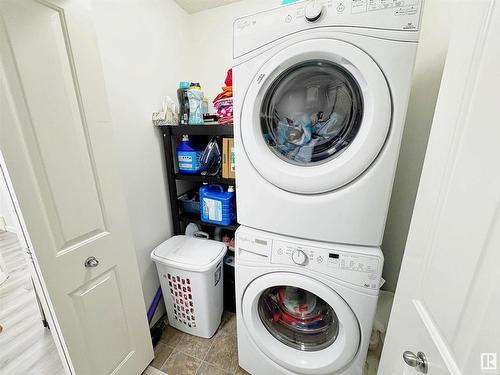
(316, 116)
(300, 323)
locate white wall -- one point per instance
(213, 41)
(147, 47)
(143, 44)
(429, 66)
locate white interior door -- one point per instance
(447, 303)
(56, 138)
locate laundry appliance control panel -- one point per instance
(257, 30)
(355, 268)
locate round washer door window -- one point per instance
(298, 318)
(316, 116)
(300, 323)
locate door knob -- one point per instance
(418, 361)
(91, 262)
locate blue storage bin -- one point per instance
(190, 204)
(216, 205)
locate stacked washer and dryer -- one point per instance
(320, 93)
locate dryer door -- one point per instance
(316, 116)
(300, 323)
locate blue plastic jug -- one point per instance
(188, 156)
(217, 205)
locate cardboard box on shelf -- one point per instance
(228, 161)
(232, 161)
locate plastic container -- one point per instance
(182, 96)
(195, 97)
(204, 106)
(217, 205)
(188, 156)
(191, 276)
(190, 203)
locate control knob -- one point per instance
(299, 257)
(314, 10)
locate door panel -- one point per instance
(56, 138)
(446, 304)
(102, 327)
(59, 110)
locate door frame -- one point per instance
(36, 274)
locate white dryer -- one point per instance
(304, 307)
(320, 93)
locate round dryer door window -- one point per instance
(316, 116)
(300, 323)
(312, 112)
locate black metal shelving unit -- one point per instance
(172, 135)
(209, 130)
(209, 179)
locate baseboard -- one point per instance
(150, 370)
(11, 229)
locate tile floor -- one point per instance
(178, 353)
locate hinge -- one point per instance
(30, 253)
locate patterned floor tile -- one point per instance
(194, 346)
(162, 352)
(181, 364)
(223, 353)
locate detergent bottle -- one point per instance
(216, 205)
(195, 99)
(182, 96)
(188, 156)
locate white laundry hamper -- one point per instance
(191, 277)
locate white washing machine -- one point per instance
(320, 93)
(304, 307)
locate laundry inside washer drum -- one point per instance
(298, 318)
(311, 112)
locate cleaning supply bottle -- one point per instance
(195, 96)
(182, 96)
(188, 156)
(216, 205)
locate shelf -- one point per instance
(207, 179)
(171, 135)
(201, 129)
(190, 218)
